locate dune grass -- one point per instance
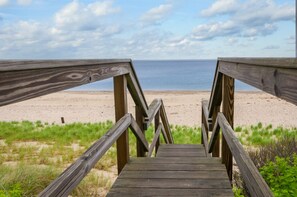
(41, 151)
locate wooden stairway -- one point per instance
(177, 170)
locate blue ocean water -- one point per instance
(170, 75)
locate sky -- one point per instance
(146, 29)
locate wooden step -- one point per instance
(177, 170)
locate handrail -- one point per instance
(72, 176)
(277, 76)
(22, 80)
(25, 79)
(253, 179)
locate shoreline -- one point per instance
(182, 107)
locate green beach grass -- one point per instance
(32, 154)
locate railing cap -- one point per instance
(14, 65)
(269, 62)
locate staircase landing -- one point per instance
(177, 170)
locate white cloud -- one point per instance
(251, 19)
(210, 31)
(221, 7)
(69, 33)
(271, 47)
(4, 2)
(291, 40)
(24, 2)
(156, 15)
(78, 16)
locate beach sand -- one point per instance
(182, 107)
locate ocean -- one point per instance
(170, 75)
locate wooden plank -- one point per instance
(216, 93)
(205, 115)
(228, 111)
(253, 179)
(121, 108)
(205, 140)
(72, 176)
(136, 91)
(17, 65)
(214, 136)
(174, 167)
(281, 82)
(166, 123)
(153, 110)
(176, 160)
(181, 154)
(216, 145)
(153, 144)
(180, 146)
(165, 137)
(173, 183)
(184, 150)
(127, 192)
(21, 85)
(157, 123)
(174, 175)
(267, 62)
(140, 121)
(139, 134)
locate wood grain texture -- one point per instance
(72, 176)
(253, 179)
(121, 108)
(202, 174)
(267, 62)
(181, 146)
(136, 91)
(140, 121)
(216, 93)
(165, 137)
(21, 85)
(281, 82)
(157, 123)
(139, 134)
(155, 140)
(176, 160)
(186, 176)
(216, 147)
(128, 192)
(153, 110)
(173, 183)
(205, 115)
(17, 65)
(228, 111)
(166, 123)
(214, 137)
(205, 140)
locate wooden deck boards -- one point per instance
(178, 170)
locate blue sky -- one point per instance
(146, 29)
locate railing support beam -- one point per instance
(216, 149)
(228, 111)
(157, 122)
(121, 108)
(140, 122)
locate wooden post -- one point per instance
(139, 120)
(216, 149)
(157, 122)
(202, 122)
(228, 111)
(120, 99)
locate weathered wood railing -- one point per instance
(22, 80)
(275, 76)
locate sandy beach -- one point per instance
(183, 108)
